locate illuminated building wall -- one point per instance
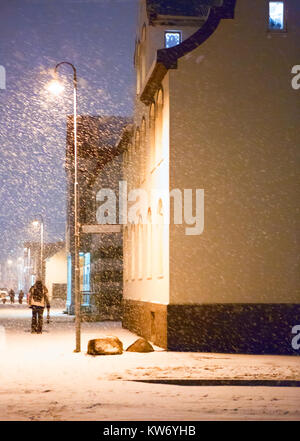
(229, 125)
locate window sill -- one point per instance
(277, 32)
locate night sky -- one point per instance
(98, 37)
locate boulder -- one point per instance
(140, 345)
(109, 345)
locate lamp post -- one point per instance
(56, 88)
(40, 222)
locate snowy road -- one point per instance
(42, 379)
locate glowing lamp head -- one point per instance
(9, 262)
(55, 87)
(35, 223)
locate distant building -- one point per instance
(215, 110)
(56, 275)
(100, 165)
(32, 258)
(10, 276)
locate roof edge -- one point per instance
(168, 58)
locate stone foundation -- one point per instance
(232, 328)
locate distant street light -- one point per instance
(9, 262)
(36, 223)
(56, 88)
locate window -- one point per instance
(87, 272)
(86, 278)
(276, 16)
(172, 38)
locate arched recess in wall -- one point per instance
(143, 54)
(132, 251)
(138, 66)
(126, 253)
(140, 248)
(159, 125)
(136, 250)
(137, 155)
(129, 164)
(125, 164)
(149, 244)
(160, 239)
(152, 134)
(143, 155)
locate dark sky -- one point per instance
(98, 37)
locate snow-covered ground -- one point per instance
(42, 379)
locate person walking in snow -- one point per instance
(38, 299)
(12, 296)
(21, 296)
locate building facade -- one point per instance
(31, 261)
(215, 110)
(99, 165)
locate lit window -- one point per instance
(276, 16)
(172, 38)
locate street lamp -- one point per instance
(36, 223)
(56, 88)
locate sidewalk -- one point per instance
(41, 378)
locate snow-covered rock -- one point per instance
(109, 345)
(140, 345)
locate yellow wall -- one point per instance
(234, 131)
